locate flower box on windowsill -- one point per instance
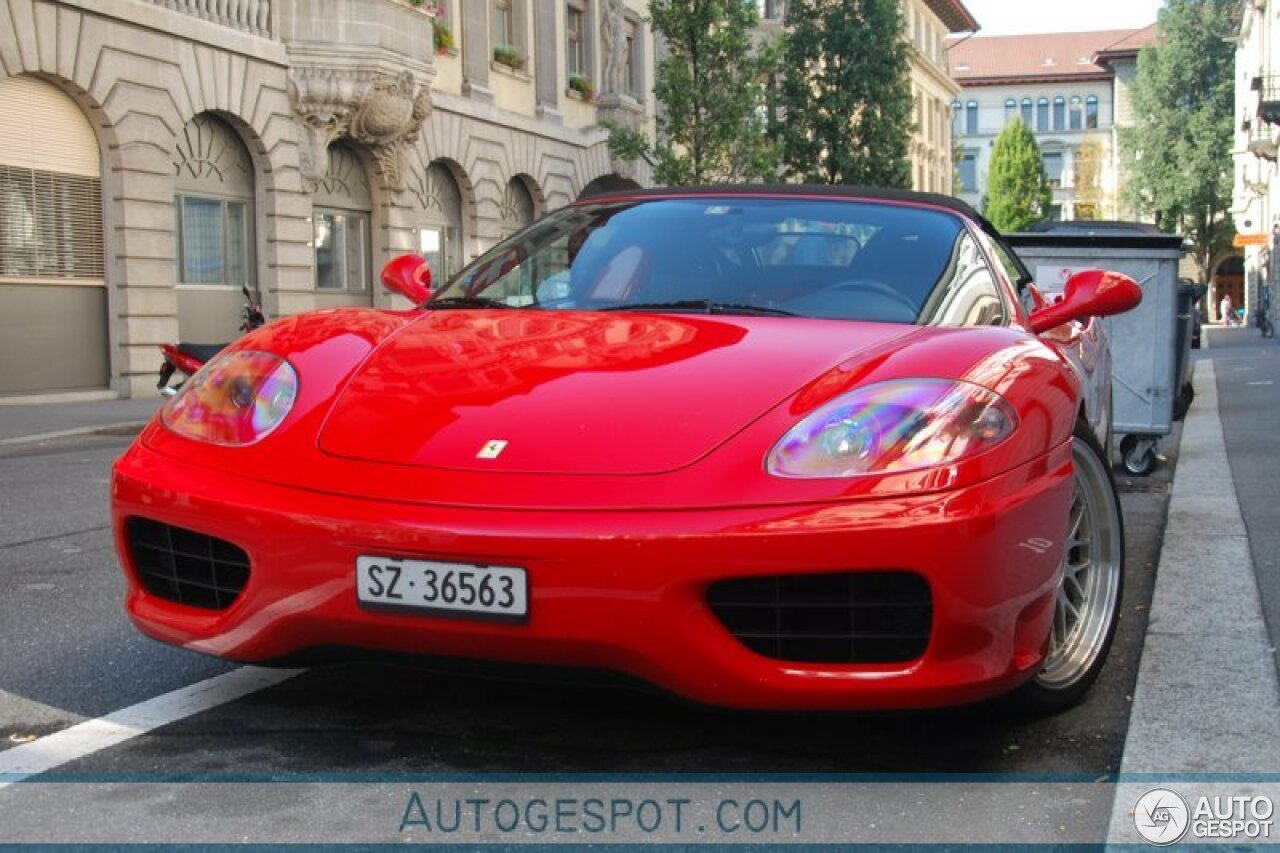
(503, 68)
(509, 57)
(581, 88)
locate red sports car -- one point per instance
(763, 447)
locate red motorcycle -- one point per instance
(186, 358)
(407, 275)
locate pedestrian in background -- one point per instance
(1225, 311)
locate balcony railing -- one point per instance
(1268, 88)
(249, 16)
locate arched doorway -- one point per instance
(608, 184)
(53, 293)
(342, 220)
(440, 233)
(213, 209)
(1228, 279)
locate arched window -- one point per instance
(971, 118)
(1059, 113)
(1010, 110)
(51, 234)
(1091, 112)
(341, 224)
(440, 234)
(957, 118)
(1042, 115)
(517, 207)
(1077, 113)
(1027, 118)
(213, 204)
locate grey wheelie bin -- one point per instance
(1144, 342)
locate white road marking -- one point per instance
(43, 755)
(1262, 382)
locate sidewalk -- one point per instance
(1207, 703)
(22, 422)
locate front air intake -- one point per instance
(845, 617)
(186, 567)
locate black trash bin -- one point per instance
(1189, 295)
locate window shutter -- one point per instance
(53, 134)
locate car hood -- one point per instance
(575, 392)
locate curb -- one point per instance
(125, 428)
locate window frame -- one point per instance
(971, 118)
(1092, 113)
(575, 40)
(1059, 113)
(180, 238)
(1027, 113)
(346, 216)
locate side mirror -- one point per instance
(1091, 293)
(409, 276)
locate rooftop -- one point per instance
(991, 60)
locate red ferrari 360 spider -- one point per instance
(763, 447)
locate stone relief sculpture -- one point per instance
(613, 37)
(381, 111)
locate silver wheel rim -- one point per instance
(1090, 580)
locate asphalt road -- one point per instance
(1248, 369)
(67, 652)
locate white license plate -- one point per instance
(427, 585)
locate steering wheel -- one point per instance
(879, 288)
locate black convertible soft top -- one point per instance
(836, 191)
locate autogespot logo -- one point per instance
(1161, 816)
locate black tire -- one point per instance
(1077, 652)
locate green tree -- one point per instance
(712, 86)
(1178, 155)
(1018, 191)
(846, 97)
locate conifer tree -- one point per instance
(1018, 191)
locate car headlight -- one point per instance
(891, 427)
(234, 400)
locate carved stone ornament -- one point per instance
(380, 111)
(613, 34)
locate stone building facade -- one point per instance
(1251, 275)
(156, 155)
(1071, 89)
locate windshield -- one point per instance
(855, 260)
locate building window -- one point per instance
(1091, 112)
(1042, 115)
(1027, 118)
(1053, 167)
(575, 33)
(504, 24)
(971, 118)
(1059, 113)
(340, 223)
(1010, 110)
(771, 10)
(633, 64)
(1077, 113)
(957, 118)
(342, 250)
(967, 171)
(213, 240)
(50, 224)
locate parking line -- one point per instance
(83, 739)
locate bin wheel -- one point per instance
(1138, 455)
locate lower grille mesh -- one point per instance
(846, 617)
(186, 567)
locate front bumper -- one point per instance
(624, 591)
